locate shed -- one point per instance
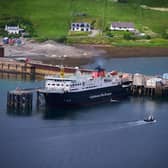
(138, 79)
(153, 82)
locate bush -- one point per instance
(148, 37)
(93, 24)
(109, 34)
(62, 39)
(165, 35)
(128, 36)
(13, 35)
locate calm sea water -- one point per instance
(103, 136)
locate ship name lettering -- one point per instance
(100, 95)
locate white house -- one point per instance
(13, 29)
(81, 26)
(125, 26)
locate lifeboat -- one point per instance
(150, 119)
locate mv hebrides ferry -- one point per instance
(82, 89)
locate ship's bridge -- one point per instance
(71, 83)
(58, 84)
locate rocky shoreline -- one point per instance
(55, 53)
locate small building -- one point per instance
(125, 26)
(86, 27)
(138, 79)
(13, 29)
(153, 82)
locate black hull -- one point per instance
(85, 98)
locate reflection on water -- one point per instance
(19, 112)
(74, 111)
(56, 114)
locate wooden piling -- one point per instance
(2, 51)
(40, 102)
(20, 101)
(32, 72)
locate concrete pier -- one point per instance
(32, 69)
(10, 66)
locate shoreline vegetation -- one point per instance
(106, 41)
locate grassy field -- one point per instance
(51, 19)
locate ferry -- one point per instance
(82, 89)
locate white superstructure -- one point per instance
(80, 82)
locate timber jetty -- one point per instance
(154, 86)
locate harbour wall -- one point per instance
(32, 69)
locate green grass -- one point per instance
(120, 42)
(51, 19)
(147, 43)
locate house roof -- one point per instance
(123, 24)
(80, 23)
(12, 27)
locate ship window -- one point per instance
(107, 80)
(53, 84)
(58, 84)
(67, 85)
(48, 84)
